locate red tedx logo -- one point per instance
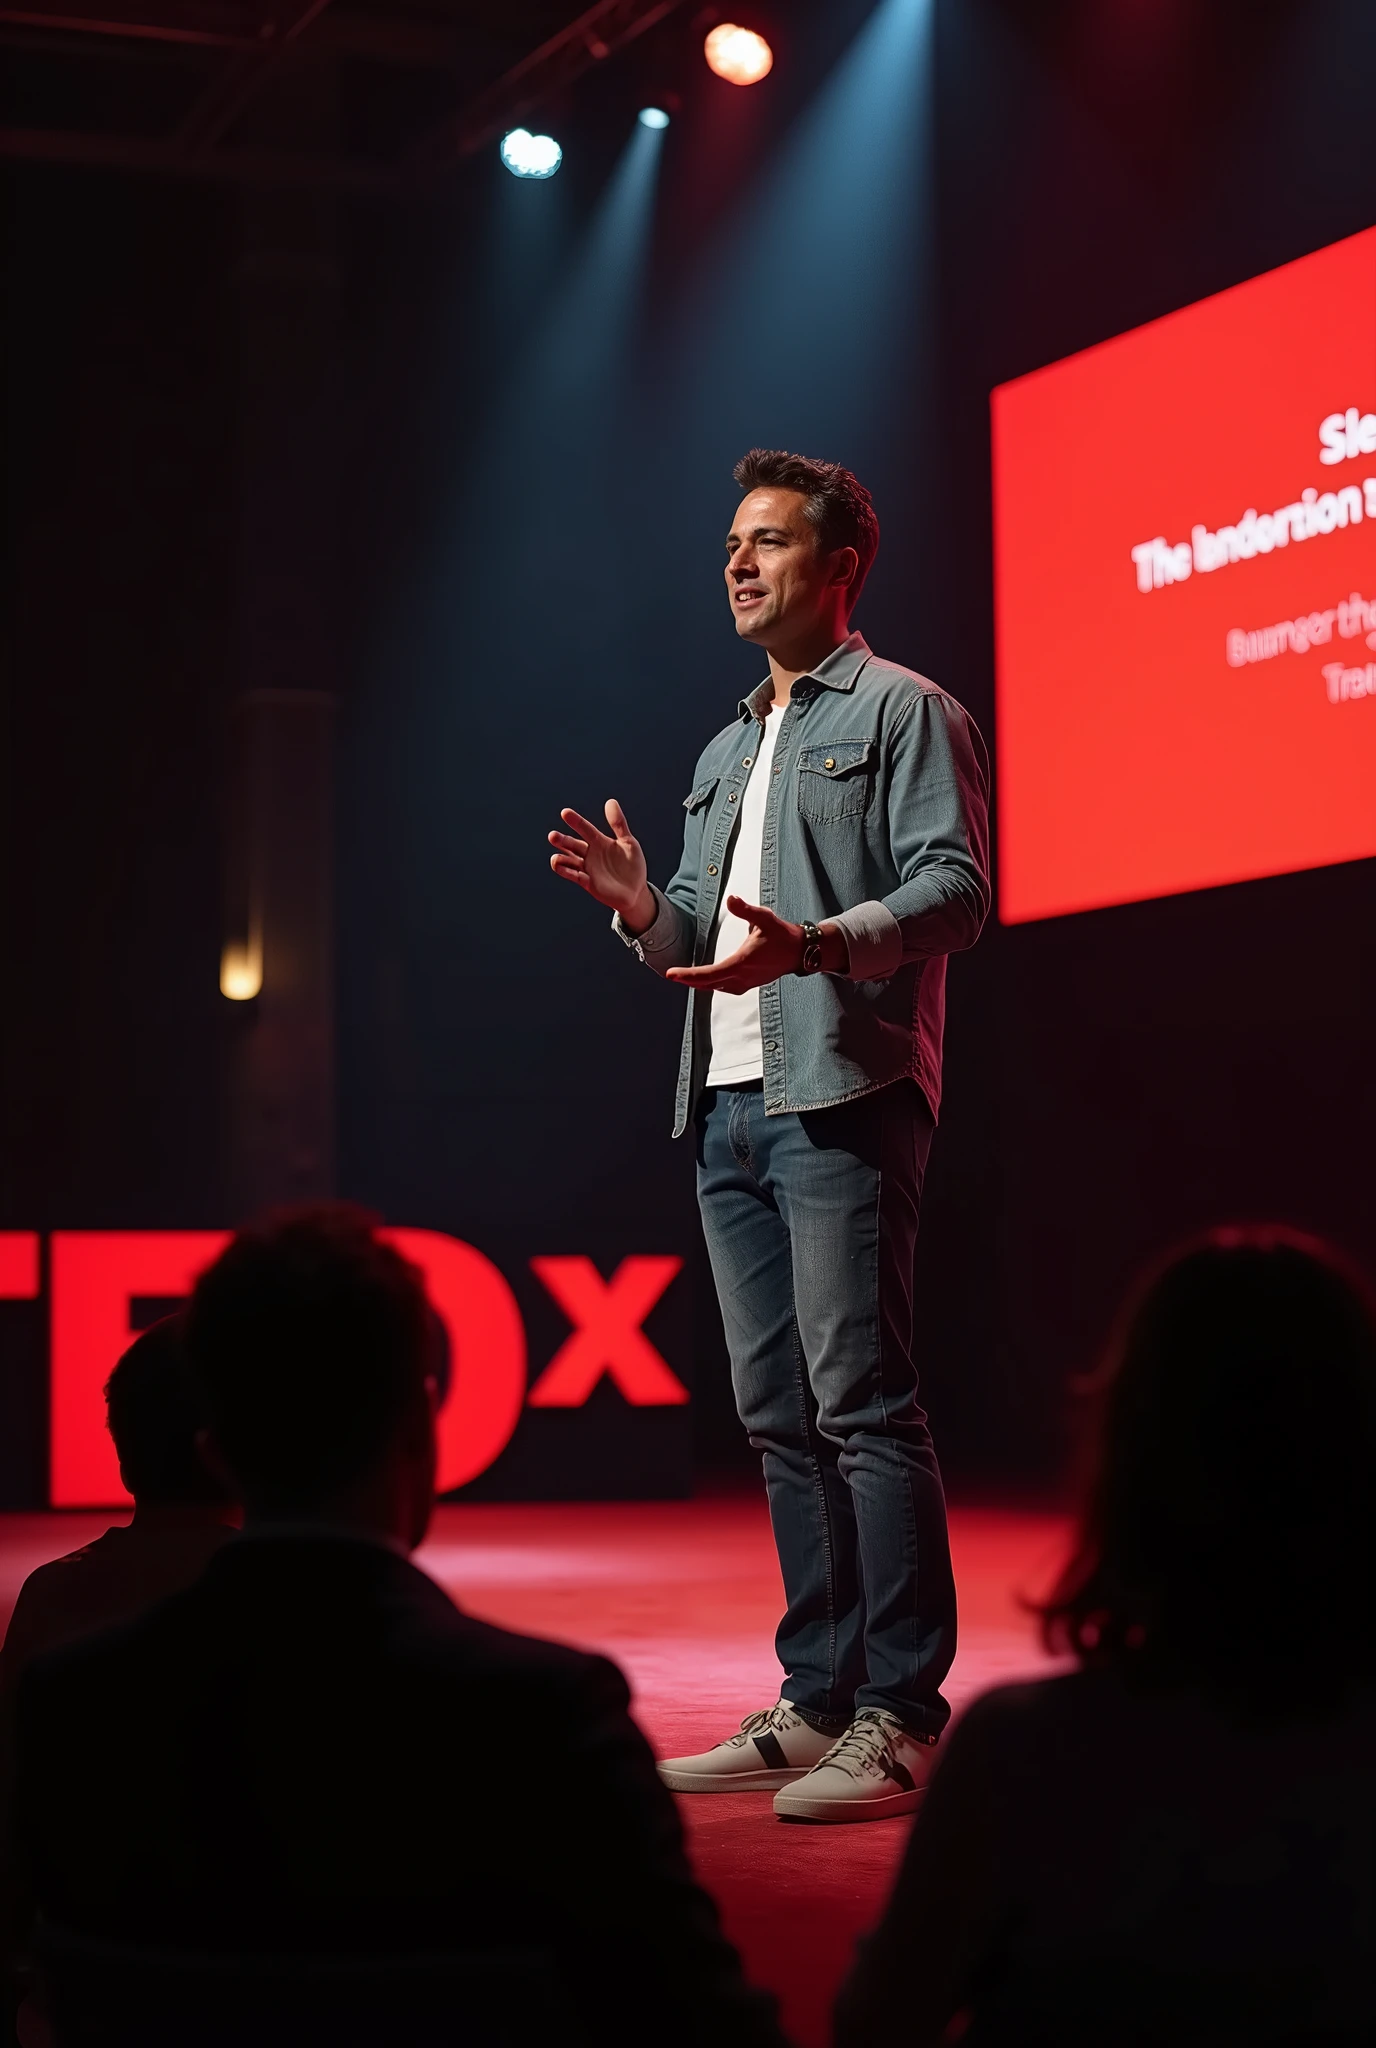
(94, 1276)
(607, 1337)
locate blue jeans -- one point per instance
(811, 1226)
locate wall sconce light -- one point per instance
(241, 969)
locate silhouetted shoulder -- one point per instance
(481, 1650)
(1006, 1709)
(72, 1665)
(59, 1569)
(57, 1574)
(1086, 1726)
(45, 1585)
(48, 1592)
(364, 1595)
(1008, 1716)
(1003, 1723)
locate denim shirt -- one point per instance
(876, 818)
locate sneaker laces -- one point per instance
(780, 1715)
(867, 1745)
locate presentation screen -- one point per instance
(1185, 580)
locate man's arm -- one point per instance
(938, 819)
(939, 833)
(610, 867)
(665, 943)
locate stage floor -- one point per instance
(685, 1595)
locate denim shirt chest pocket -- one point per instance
(835, 778)
(696, 798)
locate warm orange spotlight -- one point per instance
(738, 54)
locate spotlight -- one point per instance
(653, 117)
(530, 156)
(737, 54)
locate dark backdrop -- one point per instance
(529, 613)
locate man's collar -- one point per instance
(839, 671)
(842, 666)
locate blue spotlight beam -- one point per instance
(829, 262)
(574, 363)
(511, 606)
(546, 447)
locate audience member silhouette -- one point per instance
(1173, 1843)
(182, 1515)
(314, 1750)
(182, 1511)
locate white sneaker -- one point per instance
(772, 1748)
(876, 1770)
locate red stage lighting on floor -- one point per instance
(737, 54)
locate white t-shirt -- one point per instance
(737, 1048)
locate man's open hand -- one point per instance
(610, 867)
(773, 947)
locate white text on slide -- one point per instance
(1158, 563)
(1344, 684)
(1342, 436)
(1345, 434)
(1351, 616)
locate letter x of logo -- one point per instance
(607, 1336)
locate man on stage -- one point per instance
(835, 851)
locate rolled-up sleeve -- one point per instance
(665, 943)
(938, 820)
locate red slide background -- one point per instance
(1134, 761)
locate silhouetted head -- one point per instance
(313, 1340)
(800, 547)
(1229, 1535)
(156, 1411)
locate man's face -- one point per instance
(776, 578)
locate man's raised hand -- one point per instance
(609, 866)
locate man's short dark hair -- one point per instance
(838, 504)
(310, 1336)
(155, 1411)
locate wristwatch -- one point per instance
(811, 962)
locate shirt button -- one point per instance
(748, 761)
(771, 1045)
(732, 798)
(828, 763)
(712, 868)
